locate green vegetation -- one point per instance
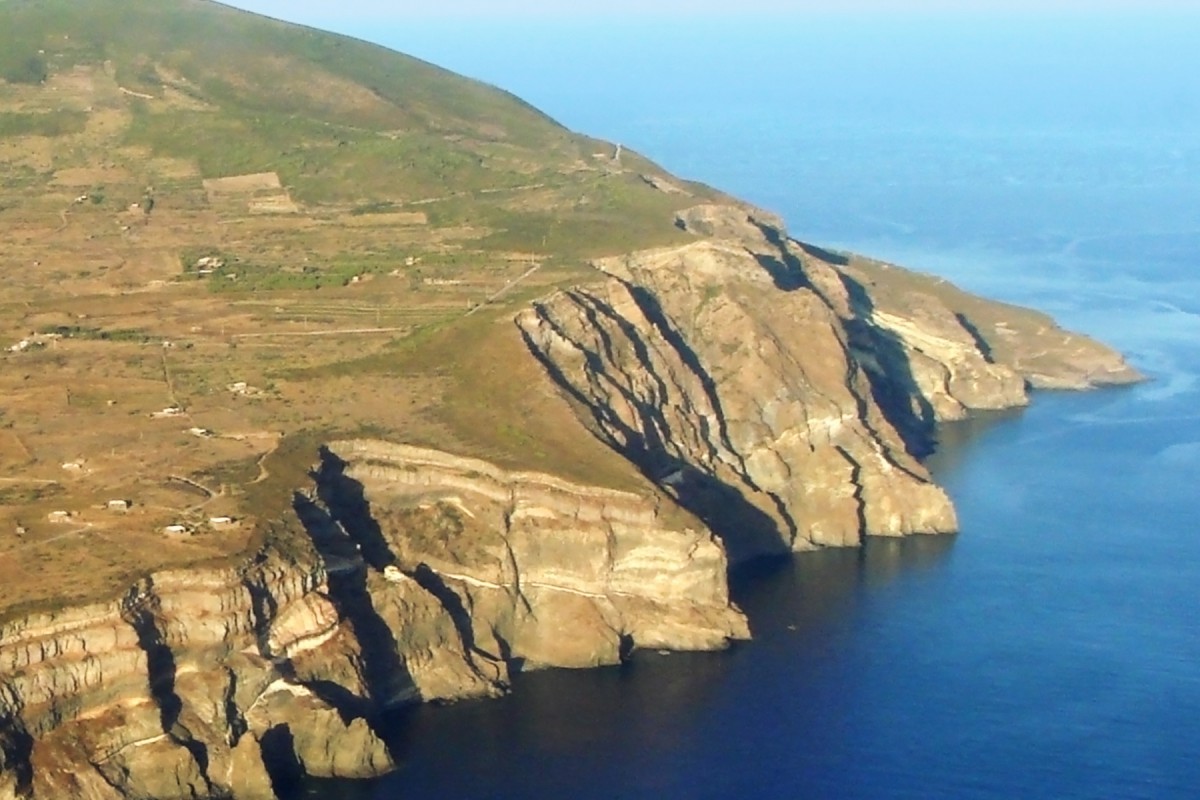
(17, 495)
(454, 202)
(16, 68)
(83, 332)
(54, 123)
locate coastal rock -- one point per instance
(157, 694)
(784, 394)
(411, 575)
(248, 776)
(775, 396)
(519, 557)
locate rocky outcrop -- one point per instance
(772, 393)
(416, 576)
(784, 394)
(522, 557)
(172, 691)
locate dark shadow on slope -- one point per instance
(347, 502)
(828, 256)
(16, 754)
(745, 530)
(383, 670)
(893, 386)
(431, 582)
(264, 609)
(786, 270)
(279, 757)
(786, 273)
(161, 673)
(977, 337)
(351, 523)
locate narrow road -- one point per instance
(507, 287)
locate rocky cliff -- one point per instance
(783, 393)
(776, 397)
(424, 577)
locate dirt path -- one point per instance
(335, 332)
(507, 287)
(67, 534)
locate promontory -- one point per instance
(331, 381)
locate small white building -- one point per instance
(59, 516)
(177, 530)
(118, 505)
(221, 522)
(203, 433)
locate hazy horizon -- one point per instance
(309, 11)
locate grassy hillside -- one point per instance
(283, 234)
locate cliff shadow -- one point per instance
(745, 530)
(279, 757)
(162, 671)
(383, 669)
(347, 502)
(431, 582)
(890, 375)
(985, 348)
(16, 754)
(785, 270)
(348, 506)
(828, 256)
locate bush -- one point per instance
(29, 70)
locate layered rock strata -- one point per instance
(527, 557)
(784, 394)
(421, 577)
(774, 394)
(175, 690)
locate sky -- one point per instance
(870, 54)
(355, 12)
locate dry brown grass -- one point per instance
(393, 353)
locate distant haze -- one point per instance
(330, 12)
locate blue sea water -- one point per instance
(1050, 650)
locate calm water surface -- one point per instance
(1051, 649)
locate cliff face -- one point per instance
(774, 394)
(783, 393)
(521, 557)
(175, 689)
(429, 578)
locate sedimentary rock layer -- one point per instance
(421, 577)
(775, 394)
(783, 393)
(527, 557)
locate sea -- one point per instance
(1049, 650)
